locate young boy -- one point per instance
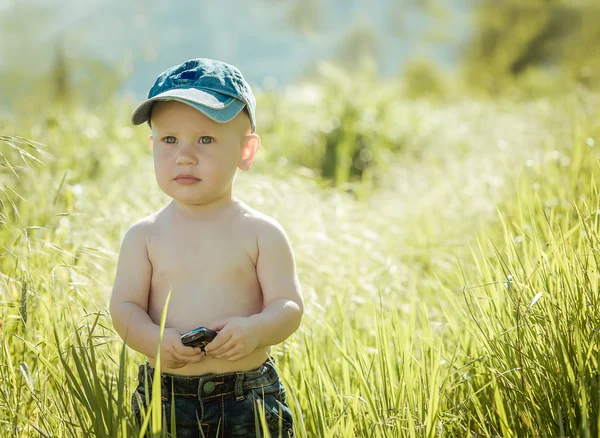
(229, 267)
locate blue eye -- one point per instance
(204, 137)
(167, 139)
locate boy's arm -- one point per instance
(129, 301)
(283, 304)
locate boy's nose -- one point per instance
(185, 157)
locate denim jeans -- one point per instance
(219, 405)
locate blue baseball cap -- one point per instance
(213, 87)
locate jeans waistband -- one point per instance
(212, 385)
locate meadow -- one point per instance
(450, 275)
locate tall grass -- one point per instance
(460, 298)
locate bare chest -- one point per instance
(211, 273)
(214, 255)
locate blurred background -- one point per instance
(88, 49)
(93, 50)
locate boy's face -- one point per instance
(185, 141)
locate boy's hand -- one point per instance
(174, 354)
(236, 339)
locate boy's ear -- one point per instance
(151, 140)
(250, 145)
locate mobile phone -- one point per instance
(198, 337)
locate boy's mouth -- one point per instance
(184, 178)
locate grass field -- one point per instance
(451, 292)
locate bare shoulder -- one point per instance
(143, 227)
(144, 224)
(137, 238)
(264, 227)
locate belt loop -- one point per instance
(146, 376)
(239, 393)
(149, 376)
(164, 390)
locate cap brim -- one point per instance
(216, 106)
